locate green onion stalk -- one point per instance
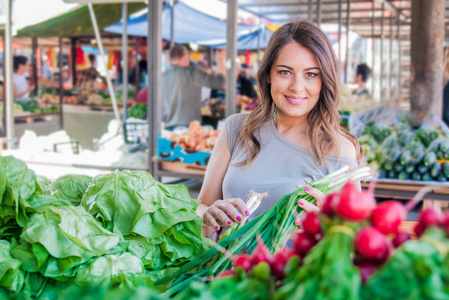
(274, 228)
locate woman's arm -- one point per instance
(214, 211)
(14, 91)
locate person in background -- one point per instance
(446, 86)
(291, 139)
(245, 88)
(21, 86)
(181, 87)
(363, 72)
(91, 74)
(132, 72)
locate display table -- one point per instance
(178, 170)
(407, 189)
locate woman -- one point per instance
(293, 138)
(21, 88)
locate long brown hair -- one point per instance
(323, 120)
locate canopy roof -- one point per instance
(190, 25)
(77, 21)
(245, 40)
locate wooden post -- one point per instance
(427, 38)
(34, 61)
(73, 58)
(4, 93)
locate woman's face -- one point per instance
(295, 80)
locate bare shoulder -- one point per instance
(347, 148)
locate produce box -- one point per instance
(171, 151)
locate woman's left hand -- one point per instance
(309, 207)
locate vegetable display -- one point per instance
(123, 235)
(196, 138)
(401, 152)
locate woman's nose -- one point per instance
(297, 84)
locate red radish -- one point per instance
(303, 243)
(366, 270)
(260, 254)
(445, 220)
(226, 273)
(327, 207)
(243, 261)
(311, 223)
(279, 262)
(387, 216)
(371, 244)
(400, 238)
(354, 205)
(419, 229)
(429, 217)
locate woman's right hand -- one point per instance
(224, 213)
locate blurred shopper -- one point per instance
(181, 87)
(132, 72)
(90, 75)
(446, 86)
(363, 72)
(21, 86)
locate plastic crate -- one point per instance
(135, 132)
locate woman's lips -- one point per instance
(295, 100)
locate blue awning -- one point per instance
(191, 26)
(245, 40)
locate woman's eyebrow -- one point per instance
(312, 68)
(290, 68)
(284, 66)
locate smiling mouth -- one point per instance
(295, 100)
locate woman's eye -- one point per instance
(284, 72)
(311, 75)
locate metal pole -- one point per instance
(348, 20)
(318, 13)
(125, 61)
(73, 58)
(154, 82)
(381, 51)
(231, 55)
(373, 24)
(399, 56)
(61, 88)
(34, 64)
(390, 70)
(103, 61)
(172, 24)
(339, 30)
(310, 13)
(8, 78)
(137, 69)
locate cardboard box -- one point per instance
(171, 151)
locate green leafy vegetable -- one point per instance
(18, 183)
(111, 271)
(69, 187)
(11, 276)
(58, 239)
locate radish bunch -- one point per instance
(431, 218)
(261, 255)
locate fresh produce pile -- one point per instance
(138, 111)
(197, 138)
(401, 152)
(351, 249)
(116, 231)
(274, 228)
(31, 105)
